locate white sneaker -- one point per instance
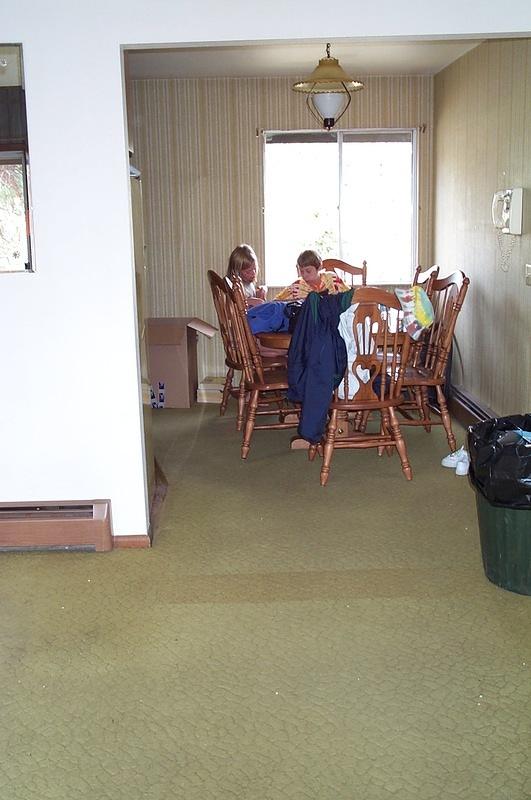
(463, 464)
(452, 459)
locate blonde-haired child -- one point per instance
(243, 264)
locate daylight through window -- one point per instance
(15, 239)
(346, 194)
(14, 233)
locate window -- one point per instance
(14, 233)
(346, 194)
(15, 248)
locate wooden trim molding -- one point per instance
(59, 525)
(466, 408)
(157, 500)
(140, 540)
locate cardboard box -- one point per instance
(172, 359)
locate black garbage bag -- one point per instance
(500, 460)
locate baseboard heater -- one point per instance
(71, 525)
(466, 408)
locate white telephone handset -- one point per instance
(507, 210)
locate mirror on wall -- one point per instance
(15, 239)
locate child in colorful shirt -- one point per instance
(311, 279)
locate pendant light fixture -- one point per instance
(328, 90)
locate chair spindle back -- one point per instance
(342, 269)
(447, 298)
(221, 300)
(425, 278)
(247, 346)
(381, 348)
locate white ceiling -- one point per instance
(259, 59)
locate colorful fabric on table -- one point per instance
(329, 282)
(417, 308)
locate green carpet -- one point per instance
(280, 641)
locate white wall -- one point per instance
(70, 422)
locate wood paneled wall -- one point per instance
(201, 159)
(483, 144)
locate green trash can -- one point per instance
(505, 536)
(500, 471)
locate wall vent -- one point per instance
(70, 525)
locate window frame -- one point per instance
(11, 154)
(373, 134)
(14, 141)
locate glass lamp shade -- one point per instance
(330, 106)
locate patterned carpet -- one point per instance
(280, 641)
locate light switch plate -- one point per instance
(528, 274)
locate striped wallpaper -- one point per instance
(483, 144)
(196, 144)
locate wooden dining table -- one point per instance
(279, 340)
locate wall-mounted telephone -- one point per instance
(507, 210)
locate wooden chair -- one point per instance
(425, 278)
(233, 361)
(429, 368)
(342, 269)
(267, 388)
(374, 383)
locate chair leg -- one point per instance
(312, 452)
(420, 398)
(425, 403)
(226, 391)
(249, 423)
(328, 450)
(385, 428)
(362, 426)
(446, 419)
(400, 444)
(408, 394)
(241, 405)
